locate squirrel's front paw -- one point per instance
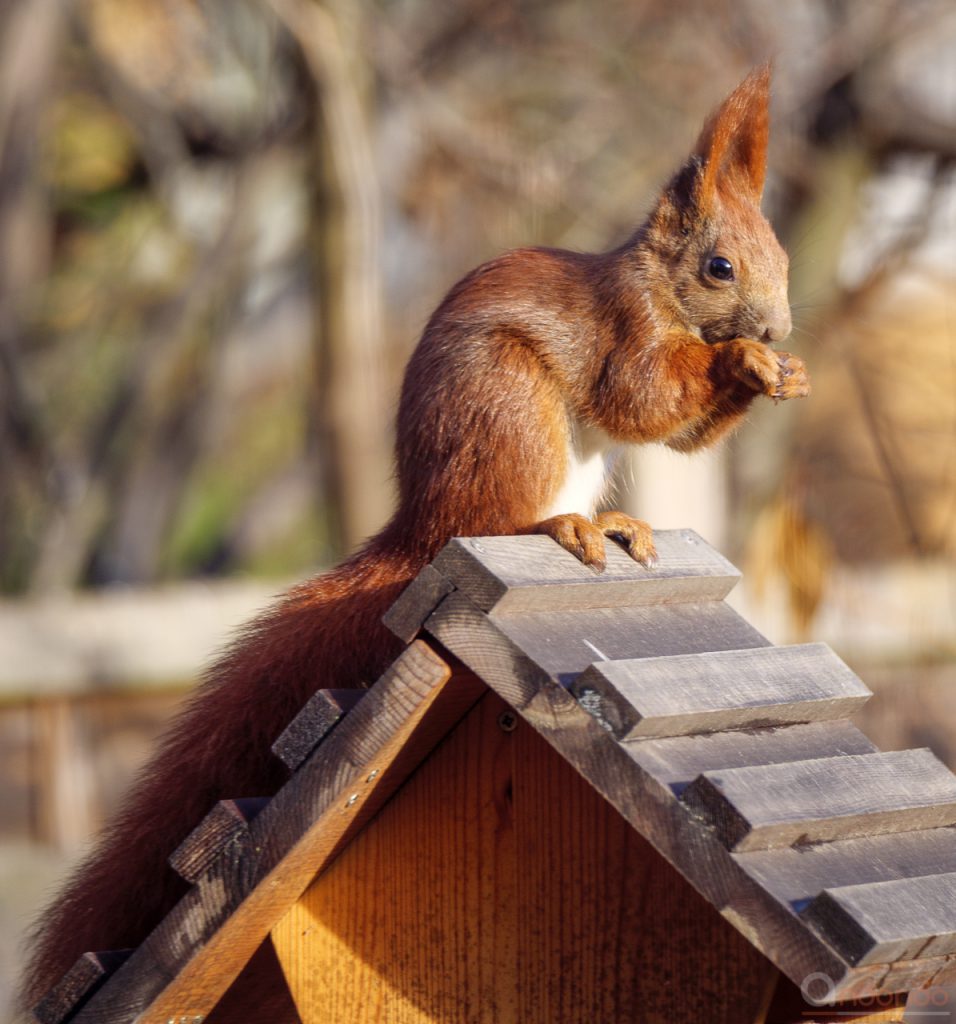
(634, 535)
(577, 534)
(793, 381)
(777, 374)
(585, 539)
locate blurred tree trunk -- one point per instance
(32, 32)
(351, 411)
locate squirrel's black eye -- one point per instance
(721, 268)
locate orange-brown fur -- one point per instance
(637, 341)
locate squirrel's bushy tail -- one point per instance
(326, 632)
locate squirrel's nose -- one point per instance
(777, 327)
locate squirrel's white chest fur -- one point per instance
(590, 459)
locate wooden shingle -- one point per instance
(731, 758)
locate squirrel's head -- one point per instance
(726, 271)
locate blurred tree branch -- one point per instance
(351, 421)
(32, 33)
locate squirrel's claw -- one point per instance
(577, 534)
(585, 539)
(780, 375)
(792, 378)
(634, 535)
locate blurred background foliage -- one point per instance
(223, 223)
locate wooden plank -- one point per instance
(678, 760)
(226, 823)
(820, 800)
(77, 986)
(433, 937)
(646, 803)
(609, 931)
(197, 951)
(500, 855)
(260, 993)
(650, 807)
(416, 602)
(796, 874)
(717, 690)
(311, 725)
(515, 574)
(65, 785)
(879, 922)
(565, 643)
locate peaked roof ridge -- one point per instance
(733, 757)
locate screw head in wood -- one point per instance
(507, 721)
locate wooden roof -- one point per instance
(733, 757)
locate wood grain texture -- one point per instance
(820, 800)
(649, 805)
(878, 922)
(260, 993)
(193, 956)
(506, 890)
(416, 602)
(77, 986)
(321, 712)
(717, 690)
(646, 803)
(228, 822)
(797, 874)
(514, 574)
(565, 643)
(676, 761)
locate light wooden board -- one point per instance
(506, 890)
(564, 643)
(513, 574)
(193, 956)
(796, 874)
(819, 800)
(677, 761)
(878, 922)
(716, 690)
(416, 602)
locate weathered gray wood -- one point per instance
(311, 725)
(797, 874)
(766, 806)
(717, 690)
(196, 952)
(77, 986)
(649, 804)
(416, 602)
(880, 922)
(676, 761)
(225, 823)
(536, 574)
(564, 643)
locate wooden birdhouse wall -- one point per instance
(497, 885)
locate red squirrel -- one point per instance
(529, 372)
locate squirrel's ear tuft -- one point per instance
(733, 142)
